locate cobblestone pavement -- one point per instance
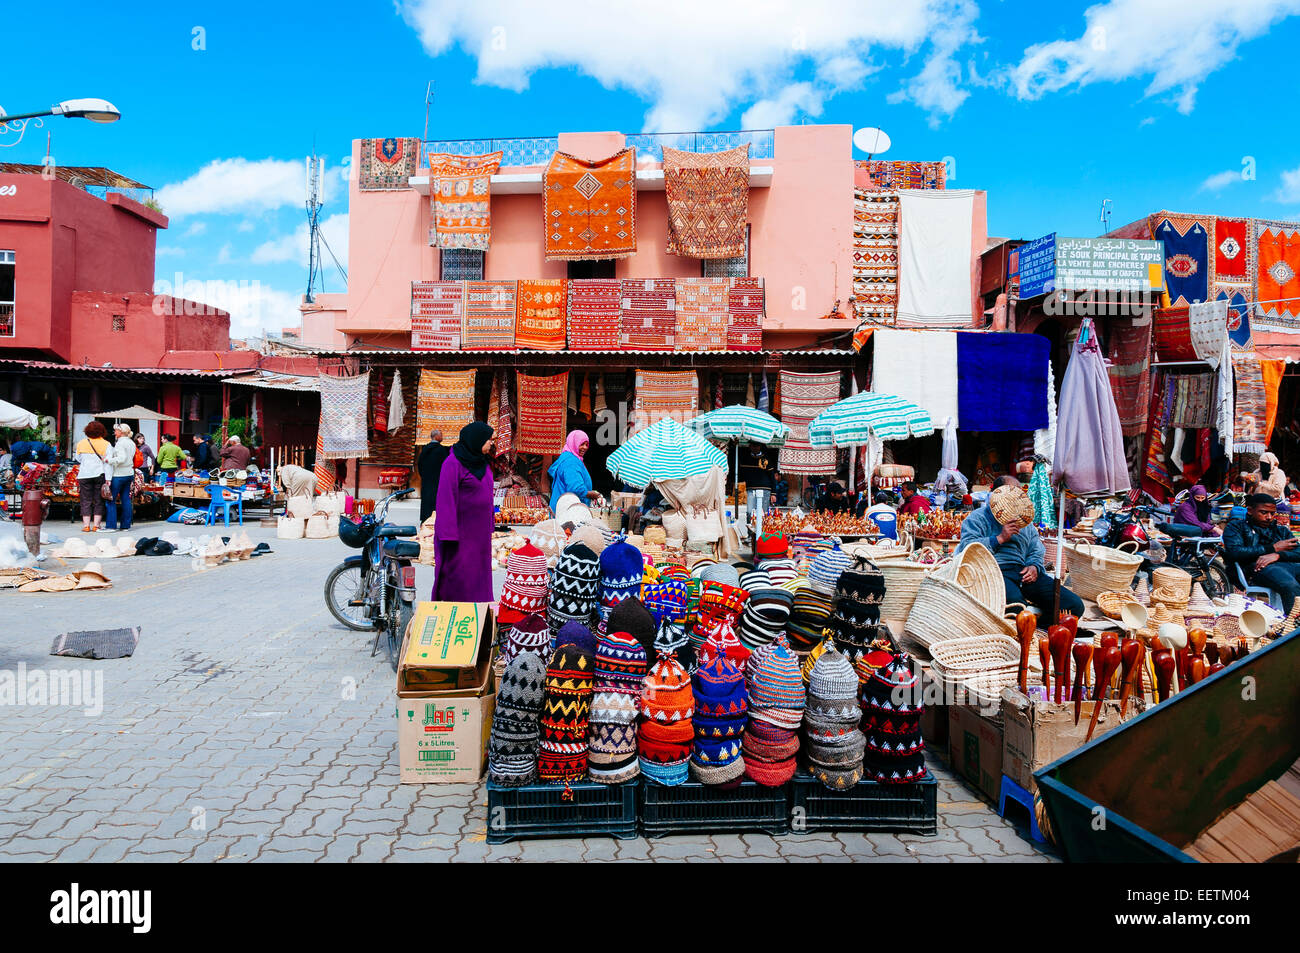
(249, 726)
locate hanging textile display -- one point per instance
(749, 391)
(718, 403)
(387, 164)
(445, 402)
(590, 207)
(1155, 471)
(1040, 494)
(595, 316)
(505, 418)
(541, 413)
(437, 315)
(701, 305)
(890, 174)
(661, 394)
(584, 400)
(1277, 263)
(1250, 405)
(1130, 372)
(1002, 380)
(1271, 372)
(1189, 401)
(763, 402)
(1187, 255)
(494, 405)
(396, 404)
(934, 276)
(459, 199)
(380, 403)
(543, 313)
(490, 315)
(1173, 335)
(396, 446)
(875, 256)
(649, 316)
(323, 469)
(599, 405)
(920, 367)
(708, 202)
(745, 314)
(1237, 300)
(343, 416)
(803, 397)
(1208, 327)
(1232, 250)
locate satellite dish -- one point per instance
(871, 140)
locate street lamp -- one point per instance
(96, 110)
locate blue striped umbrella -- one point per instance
(850, 422)
(742, 424)
(664, 451)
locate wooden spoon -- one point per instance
(1059, 639)
(1199, 669)
(1132, 654)
(1044, 657)
(1026, 626)
(1082, 651)
(1109, 640)
(1196, 641)
(1110, 660)
(1164, 661)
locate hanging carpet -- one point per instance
(595, 316)
(708, 202)
(541, 413)
(803, 397)
(542, 314)
(590, 207)
(460, 200)
(745, 301)
(701, 305)
(489, 315)
(437, 315)
(649, 316)
(343, 416)
(387, 164)
(445, 402)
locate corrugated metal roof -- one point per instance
(92, 371)
(276, 381)
(394, 352)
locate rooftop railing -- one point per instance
(537, 150)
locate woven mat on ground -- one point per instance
(890, 174)
(542, 314)
(395, 448)
(98, 644)
(745, 301)
(708, 202)
(387, 164)
(1187, 255)
(459, 199)
(1233, 255)
(1277, 257)
(1130, 373)
(437, 315)
(649, 317)
(1189, 400)
(489, 315)
(590, 207)
(803, 397)
(701, 314)
(1173, 334)
(344, 417)
(1250, 405)
(875, 255)
(595, 320)
(541, 413)
(662, 394)
(445, 402)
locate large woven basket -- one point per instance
(1095, 569)
(979, 666)
(976, 571)
(1177, 580)
(882, 549)
(902, 582)
(943, 610)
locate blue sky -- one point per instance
(1178, 104)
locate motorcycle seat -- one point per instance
(405, 548)
(392, 529)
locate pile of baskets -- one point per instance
(963, 598)
(973, 670)
(1094, 569)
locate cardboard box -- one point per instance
(934, 720)
(1036, 733)
(447, 647)
(442, 738)
(975, 748)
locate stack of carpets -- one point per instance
(437, 315)
(460, 200)
(875, 256)
(595, 315)
(649, 316)
(803, 397)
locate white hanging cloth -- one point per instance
(396, 406)
(1045, 440)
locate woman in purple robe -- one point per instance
(462, 534)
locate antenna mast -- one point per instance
(315, 279)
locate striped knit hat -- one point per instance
(529, 635)
(575, 584)
(512, 748)
(620, 669)
(765, 616)
(566, 705)
(826, 569)
(524, 590)
(775, 685)
(612, 753)
(780, 571)
(631, 616)
(665, 732)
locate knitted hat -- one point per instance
(550, 538)
(781, 570)
(862, 582)
(809, 660)
(631, 616)
(575, 583)
(524, 591)
(529, 635)
(837, 779)
(666, 694)
(771, 774)
(668, 774)
(721, 572)
(575, 633)
(848, 752)
(752, 579)
(562, 755)
(666, 600)
(772, 677)
(771, 545)
(833, 677)
(591, 536)
(612, 753)
(765, 615)
(733, 770)
(620, 663)
(512, 748)
(826, 569)
(621, 570)
(722, 641)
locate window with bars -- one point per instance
(727, 267)
(8, 275)
(595, 268)
(461, 264)
(119, 322)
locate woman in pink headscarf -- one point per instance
(568, 473)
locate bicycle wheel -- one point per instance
(1216, 581)
(342, 585)
(398, 620)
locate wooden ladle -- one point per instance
(1059, 639)
(1026, 626)
(1110, 660)
(1132, 654)
(1082, 652)
(1163, 660)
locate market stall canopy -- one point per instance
(136, 412)
(852, 421)
(11, 415)
(742, 424)
(1089, 443)
(664, 451)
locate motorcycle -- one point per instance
(375, 590)
(1199, 556)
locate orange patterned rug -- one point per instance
(590, 207)
(662, 394)
(459, 200)
(541, 413)
(708, 202)
(445, 402)
(702, 314)
(490, 315)
(542, 313)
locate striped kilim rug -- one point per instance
(745, 315)
(649, 318)
(437, 315)
(542, 314)
(323, 469)
(490, 315)
(662, 394)
(445, 402)
(1250, 404)
(890, 174)
(387, 164)
(875, 255)
(542, 404)
(504, 421)
(702, 314)
(344, 420)
(595, 318)
(803, 397)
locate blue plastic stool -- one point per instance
(223, 498)
(1013, 791)
(887, 523)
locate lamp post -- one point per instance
(96, 110)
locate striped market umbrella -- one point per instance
(852, 421)
(664, 451)
(742, 424)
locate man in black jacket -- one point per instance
(205, 458)
(1265, 551)
(432, 457)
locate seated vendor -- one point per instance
(881, 505)
(836, 500)
(1193, 514)
(1265, 551)
(913, 502)
(1017, 547)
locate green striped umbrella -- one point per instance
(664, 451)
(849, 422)
(742, 424)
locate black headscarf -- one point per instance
(469, 448)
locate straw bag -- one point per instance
(979, 666)
(976, 571)
(300, 507)
(1095, 569)
(1178, 581)
(943, 610)
(289, 527)
(320, 526)
(902, 582)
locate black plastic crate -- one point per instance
(693, 806)
(583, 809)
(867, 806)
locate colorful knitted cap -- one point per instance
(562, 754)
(718, 680)
(523, 684)
(752, 579)
(666, 600)
(862, 582)
(577, 634)
(722, 642)
(612, 753)
(826, 569)
(666, 694)
(620, 662)
(723, 573)
(771, 545)
(631, 616)
(526, 585)
(621, 571)
(529, 635)
(772, 677)
(833, 677)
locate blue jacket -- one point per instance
(1244, 542)
(1021, 550)
(568, 475)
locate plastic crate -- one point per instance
(693, 806)
(867, 806)
(542, 810)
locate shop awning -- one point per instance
(276, 381)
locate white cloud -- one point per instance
(1176, 43)
(198, 228)
(236, 185)
(225, 256)
(784, 108)
(1149, 120)
(694, 61)
(247, 225)
(1288, 192)
(1220, 180)
(293, 247)
(168, 251)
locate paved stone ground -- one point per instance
(249, 726)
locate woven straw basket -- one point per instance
(976, 571)
(943, 610)
(1110, 602)
(1095, 569)
(881, 549)
(902, 582)
(980, 665)
(1177, 581)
